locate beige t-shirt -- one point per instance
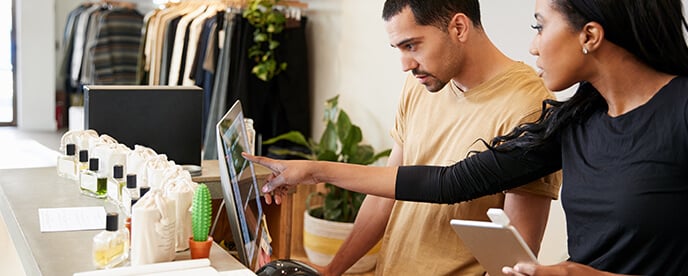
(440, 129)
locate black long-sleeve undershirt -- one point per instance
(481, 174)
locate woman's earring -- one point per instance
(585, 51)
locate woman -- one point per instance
(621, 141)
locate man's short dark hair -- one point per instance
(436, 13)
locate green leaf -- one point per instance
(331, 109)
(284, 152)
(328, 140)
(384, 153)
(332, 214)
(260, 37)
(292, 136)
(351, 143)
(327, 156)
(343, 128)
(362, 155)
(274, 44)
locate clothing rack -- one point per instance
(113, 3)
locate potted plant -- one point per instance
(201, 213)
(341, 141)
(267, 22)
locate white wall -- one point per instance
(35, 73)
(351, 56)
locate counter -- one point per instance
(23, 191)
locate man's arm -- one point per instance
(528, 214)
(369, 226)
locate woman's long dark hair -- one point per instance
(651, 30)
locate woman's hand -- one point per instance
(285, 174)
(563, 268)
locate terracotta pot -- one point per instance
(200, 250)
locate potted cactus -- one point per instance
(201, 213)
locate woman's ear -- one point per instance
(459, 26)
(591, 36)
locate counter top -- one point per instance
(23, 191)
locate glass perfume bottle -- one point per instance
(83, 162)
(116, 184)
(92, 182)
(111, 246)
(129, 193)
(143, 191)
(67, 163)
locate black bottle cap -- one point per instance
(70, 149)
(144, 190)
(83, 156)
(93, 164)
(117, 171)
(131, 181)
(111, 221)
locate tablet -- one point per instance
(493, 245)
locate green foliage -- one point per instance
(341, 141)
(267, 22)
(201, 213)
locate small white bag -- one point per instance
(155, 169)
(136, 163)
(153, 229)
(181, 190)
(80, 138)
(110, 153)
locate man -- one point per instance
(462, 89)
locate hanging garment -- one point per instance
(283, 103)
(218, 102)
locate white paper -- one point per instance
(237, 272)
(198, 267)
(71, 219)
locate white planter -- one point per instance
(322, 239)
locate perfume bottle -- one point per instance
(129, 193)
(83, 162)
(127, 221)
(92, 182)
(111, 246)
(116, 184)
(143, 191)
(67, 163)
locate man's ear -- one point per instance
(591, 36)
(459, 26)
